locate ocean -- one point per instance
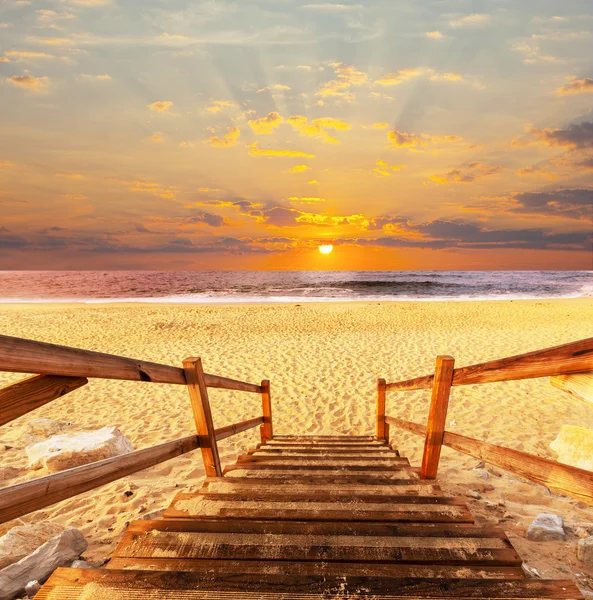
(289, 286)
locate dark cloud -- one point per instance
(208, 219)
(578, 135)
(282, 217)
(142, 229)
(568, 203)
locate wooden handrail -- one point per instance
(19, 355)
(565, 479)
(229, 430)
(574, 357)
(23, 498)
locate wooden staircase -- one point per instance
(311, 517)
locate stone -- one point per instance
(473, 494)
(24, 539)
(574, 446)
(32, 588)
(59, 551)
(81, 564)
(482, 474)
(66, 451)
(546, 527)
(530, 571)
(40, 429)
(585, 551)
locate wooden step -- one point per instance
(333, 569)
(412, 508)
(368, 470)
(342, 461)
(347, 439)
(338, 452)
(339, 479)
(104, 584)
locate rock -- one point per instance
(72, 450)
(473, 494)
(546, 527)
(151, 516)
(530, 571)
(81, 564)
(482, 474)
(574, 446)
(585, 551)
(40, 564)
(40, 429)
(24, 539)
(32, 588)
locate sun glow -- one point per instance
(326, 248)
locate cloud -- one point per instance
(577, 86)
(536, 172)
(276, 87)
(317, 128)
(266, 125)
(5, 164)
(332, 7)
(434, 35)
(161, 106)
(566, 203)
(147, 187)
(173, 37)
(305, 199)
(532, 52)
(380, 125)
(218, 105)
(52, 15)
(69, 175)
(207, 218)
(4, 59)
(412, 141)
(576, 136)
(255, 151)
(56, 41)
(76, 197)
(26, 55)
(346, 77)
(474, 20)
(299, 168)
(157, 137)
(473, 172)
(89, 3)
(382, 168)
(400, 76)
(446, 77)
(103, 77)
(230, 138)
(39, 85)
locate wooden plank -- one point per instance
(301, 547)
(574, 357)
(198, 394)
(19, 355)
(27, 497)
(326, 438)
(356, 452)
(295, 469)
(578, 384)
(108, 584)
(321, 478)
(381, 389)
(267, 431)
(565, 479)
(407, 425)
(323, 459)
(244, 567)
(437, 416)
(451, 530)
(353, 497)
(31, 393)
(224, 432)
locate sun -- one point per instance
(326, 248)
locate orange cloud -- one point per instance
(39, 85)
(299, 168)
(218, 105)
(434, 35)
(578, 86)
(306, 200)
(266, 125)
(473, 172)
(255, 151)
(76, 197)
(318, 127)
(68, 175)
(536, 172)
(380, 125)
(404, 139)
(4, 164)
(156, 137)
(276, 87)
(446, 77)
(346, 78)
(399, 76)
(161, 106)
(382, 168)
(26, 54)
(103, 77)
(230, 138)
(57, 41)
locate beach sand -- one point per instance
(323, 361)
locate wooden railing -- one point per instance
(573, 358)
(60, 370)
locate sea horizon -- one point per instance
(264, 287)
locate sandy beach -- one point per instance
(323, 361)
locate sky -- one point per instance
(174, 134)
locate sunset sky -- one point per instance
(171, 134)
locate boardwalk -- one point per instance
(311, 517)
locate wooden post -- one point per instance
(198, 394)
(437, 416)
(266, 430)
(381, 389)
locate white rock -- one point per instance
(72, 450)
(546, 527)
(40, 564)
(585, 550)
(40, 429)
(24, 539)
(32, 588)
(574, 446)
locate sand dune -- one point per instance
(323, 361)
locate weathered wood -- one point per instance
(198, 393)
(19, 355)
(27, 497)
(437, 416)
(367, 468)
(243, 567)
(347, 439)
(31, 393)
(562, 478)
(577, 384)
(381, 383)
(339, 460)
(575, 357)
(336, 548)
(111, 583)
(329, 480)
(267, 431)
(308, 451)
(229, 430)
